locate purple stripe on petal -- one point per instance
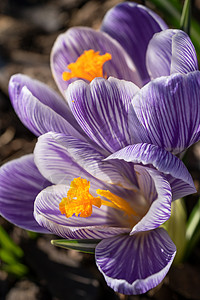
(104, 222)
(157, 191)
(38, 117)
(180, 188)
(133, 26)
(166, 112)
(71, 44)
(177, 174)
(159, 54)
(184, 58)
(54, 160)
(20, 182)
(101, 109)
(61, 158)
(170, 51)
(40, 91)
(133, 265)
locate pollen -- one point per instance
(79, 201)
(88, 66)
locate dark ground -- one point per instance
(26, 38)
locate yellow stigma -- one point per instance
(88, 66)
(79, 201)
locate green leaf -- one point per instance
(7, 243)
(17, 269)
(85, 245)
(171, 12)
(176, 228)
(186, 17)
(7, 256)
(193, 229)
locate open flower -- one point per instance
(134, 254)
(121, 35)
(138, 52)
(112, 143)
(128, 187)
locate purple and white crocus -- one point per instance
(120, 139)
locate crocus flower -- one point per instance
(134, 254)
(114, 144)
(43, 110)
(140, 43)
(130, 185)
(125, 34)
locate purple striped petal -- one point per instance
(40, 91)
(166, 112)
(101, 109)
(54, 161)
(104, 222)
(170, 51)
(61, 158)
(177, 174)
(71, 44)
(133, 265)
(133, 25)
(157, 192)
(36, 115)
(20, 182)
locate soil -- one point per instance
(26, 38)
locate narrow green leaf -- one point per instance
(193, 221)
(86, 246)
(17, 269)
(193, 229)
(7, 243)
(185, 21)
(7, 256)
(176, 228)
(170, 10)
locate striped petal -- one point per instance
(71, 44)
(104, 222)
(133, 265)
(61, 158)
(101, 109)
(177, 174)
(35, 113)
(133, 25)
(170, 51)
(157, 192)
(42, 92)
(20, 182)
(166, 112)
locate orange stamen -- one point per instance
(79, 201)
(88, 66)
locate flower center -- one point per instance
(88, 66)
(79, 201)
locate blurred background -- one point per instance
(30, 267)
